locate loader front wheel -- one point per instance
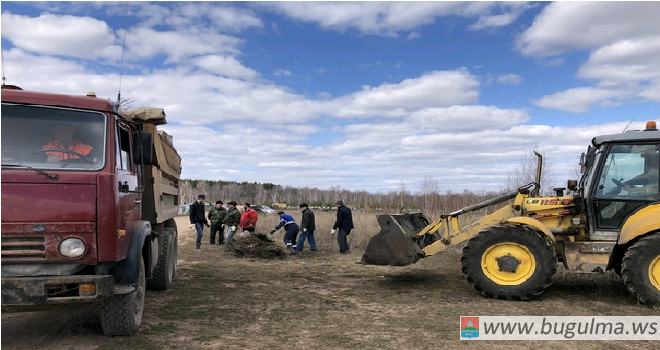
(640, 270)
(509, 262)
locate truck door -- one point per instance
(628, 180)
(128, 181)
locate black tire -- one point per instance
(166, 265)
(636, 269)
(493, 244)
(175, 255)
(121, 314)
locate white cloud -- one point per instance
(625, 61)
(565, 26)
(434, 89)
(494, 21)
(652, 92)
(226, 66)
(43, 73)
(390, 18)
(227, 18)
(280, 71)
(624, 43)
(509, 79)
(72, 36)
(413, 35)
(467, 118)
(178, 45)
(580, 100)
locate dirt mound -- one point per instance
(256, 245)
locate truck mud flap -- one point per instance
(396, 243)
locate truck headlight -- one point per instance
(72, 248)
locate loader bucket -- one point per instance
(396, 243)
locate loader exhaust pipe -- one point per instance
(539, 167)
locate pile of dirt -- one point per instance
(256, 245)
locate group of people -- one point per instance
(224, 222)
(294, 235)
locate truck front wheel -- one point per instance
(509, 262)
(122, 313)
(640, 269)
(166, 267)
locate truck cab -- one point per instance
(79, 218)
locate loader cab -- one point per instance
(621, 175)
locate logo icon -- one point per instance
(469, 327)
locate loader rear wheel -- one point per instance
(640, 270)
(509, 262)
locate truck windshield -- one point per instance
(52, 138)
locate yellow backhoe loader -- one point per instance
(609, 220)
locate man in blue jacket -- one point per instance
(345, 224)
(290, 230)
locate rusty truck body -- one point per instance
(88, 222)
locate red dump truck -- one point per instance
(89, 196)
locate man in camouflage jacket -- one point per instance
(217, 216)
(232, 219)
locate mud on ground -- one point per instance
(320, 300)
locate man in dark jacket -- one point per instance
(198, 219)
(290, 230)
(232, 219)
(345, 224)
(307, 227)
(217, 217)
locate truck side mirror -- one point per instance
(142, 146)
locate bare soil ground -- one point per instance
(320, 300)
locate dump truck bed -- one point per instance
(160, 200)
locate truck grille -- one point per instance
(16, 249)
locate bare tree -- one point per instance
(126, 103)
(429, 192)
(402, 194)
(525, 172)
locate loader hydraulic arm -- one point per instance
(406, 238)
(447, 228)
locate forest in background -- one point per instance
(427, 198)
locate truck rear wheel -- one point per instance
(509, 262)
(122, 313)
(166, 266)
(640, 269)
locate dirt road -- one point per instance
(319, 301)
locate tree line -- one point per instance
(427, 199)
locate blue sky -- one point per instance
(367, 95)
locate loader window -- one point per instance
(629, 179)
